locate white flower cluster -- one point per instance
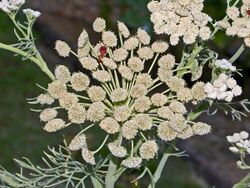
(225, 65)
(31, 13)
(239, 24)
(180, 19)
(223, 88)
(9, 6)
(240, 142)
(124, 102)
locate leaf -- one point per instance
(244, 183)
(197, 73)
(198, 111)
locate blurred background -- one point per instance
(209, 164)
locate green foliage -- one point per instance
(244, 183)
(237, 110)
(135, 13)
(60, 169)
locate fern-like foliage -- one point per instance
(59, 170)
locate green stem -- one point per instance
(38, 60)
(103, 143)
(17, 26)
(110, 178)
(159, 170)
(96, 183)
(237, 54)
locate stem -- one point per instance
(110, 178)
(17, 26)
(101, 146)
(38, 60)
(237, 54)
(159, 169)
(151, 67)
(95, 182)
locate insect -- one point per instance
(248, 12)
(103, 53)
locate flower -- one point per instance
(132, 162)
(164, 74)
(159, 99)
(62, 48)
(109, 39)
(144, 121)
(233, 12)
(123, 30)
(184, 94)
(178, 123)
(160, 47)
(129, 129)
(225, 65)
(48, 114)
(54, 125)
(142, 104)
(88, 156)
(102, 76)
(148, 150)
(145, 53)
(62, 73)
(9, 6)
(45, 99)
(178, 107)
(144, 79)
(96, 112)
(165, 132)
(109, 63)
(138, 90)
(120, 55)
(205, 33)
(110, 125)
(79, 81)
(127, 101)
(125, 72)
(167, 61)
(119, 95)
(187, 133)
(135, 64)
(237, 91)
(223, 88)
(68, 100)
(122, 113)
(89, 63)
(96, 93)
(240, 143)
(238, 22)
(56, 89)
(77, 114)
(201, 128)
(131, 43)
(117, 150)
(180, 19)
(175, 83)
(198, 91)
(165, 112)
(78, 142)
(31, 13)
(99, 25)
(143, 37)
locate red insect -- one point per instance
(103, 53)
(248, 12)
